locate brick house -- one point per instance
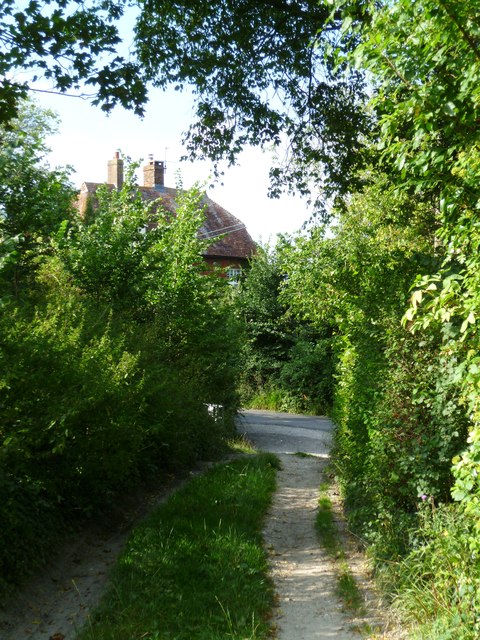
(234, 246)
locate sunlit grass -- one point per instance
(196, 568)
(241, 444)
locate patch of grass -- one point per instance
(241, 444)
(326, 527)
(347, 588)
(196, 568)
(436, 587)
(270, 399)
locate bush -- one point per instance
(109, 359)
(437, 587)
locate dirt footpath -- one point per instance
(304, 577)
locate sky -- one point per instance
(88, 138)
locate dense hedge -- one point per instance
(399, 402)
(113, 344)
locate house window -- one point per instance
(233, 274)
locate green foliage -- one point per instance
(113, 347)
(199, 561)
(267, 331)
(435, 585)
(307, 374)
(427, 89)
(69, 44)
(396, 396)
(325, 526)
(286, 363)
(261, 72)
(28, 220)
(425, 75)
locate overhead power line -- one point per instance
(219, 232)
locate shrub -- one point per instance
(109, 358)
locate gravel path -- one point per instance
(308, 608)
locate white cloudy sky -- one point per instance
(88, 139)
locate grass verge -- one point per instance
(347, 588)
(196, 568)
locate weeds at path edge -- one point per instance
(347, 588)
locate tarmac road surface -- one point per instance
(286, 432)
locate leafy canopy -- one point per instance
(264, 73)
(261, 75)
(69, 43)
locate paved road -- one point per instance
(286, 432)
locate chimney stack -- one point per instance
(115, 171)
(153, 174)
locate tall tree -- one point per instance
(34, 199)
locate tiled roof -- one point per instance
(234, 241)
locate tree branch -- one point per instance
(466, 36)
(82, 96)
